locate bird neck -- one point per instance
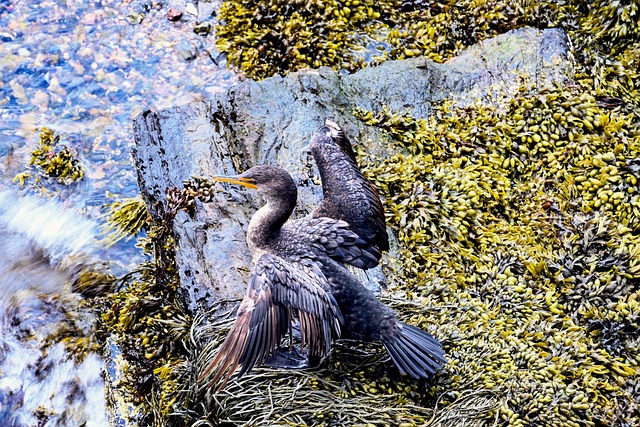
(266, 223)
(327, 158)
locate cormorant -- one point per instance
(299, 270)
(347, 194)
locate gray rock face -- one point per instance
(272, 121)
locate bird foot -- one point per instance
(284, 358)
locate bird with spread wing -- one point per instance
(299, 270)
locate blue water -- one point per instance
(79, 68)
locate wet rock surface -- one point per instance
(272, 121)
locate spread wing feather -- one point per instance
(335, 238)
(348, 195)
(277, 290)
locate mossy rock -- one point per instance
(277, 37)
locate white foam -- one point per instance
(41, 246)
(57, 231)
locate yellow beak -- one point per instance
(245, 182)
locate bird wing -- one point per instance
(335, 238)
(347, 194)
(278, 290)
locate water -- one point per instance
(42, 244)
(82, 69)
(79, 68)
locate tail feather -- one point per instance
(404, 365)
(416, 352)
(423, 359)
(426, 342)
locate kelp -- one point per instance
(517, 226)
(276, 37)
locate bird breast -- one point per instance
(258, 235)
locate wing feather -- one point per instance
(278, 289)
(334, 238)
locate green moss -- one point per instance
(146, 318)
(276, 37)
(525, 272)
(75, 329)
(518, 228)
(608, 47)
(75, 326)
(125, 219)
(49, 160)
(267, 38)
(151, 326)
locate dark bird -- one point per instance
(347, 195)
(299, 270)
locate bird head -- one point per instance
(327, 139)
(326, 134)
(271, 181)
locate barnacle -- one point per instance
(199, 188)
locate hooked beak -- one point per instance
(245, 182)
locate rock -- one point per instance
(272, 121)
(174, 15)
(142, 6)
(191, 9)
(202, 29)
(186, 50)
(134, 18)
(220, 59)
(492, 67)
(207, 9)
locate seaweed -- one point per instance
(51, 161)
(521, 223)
